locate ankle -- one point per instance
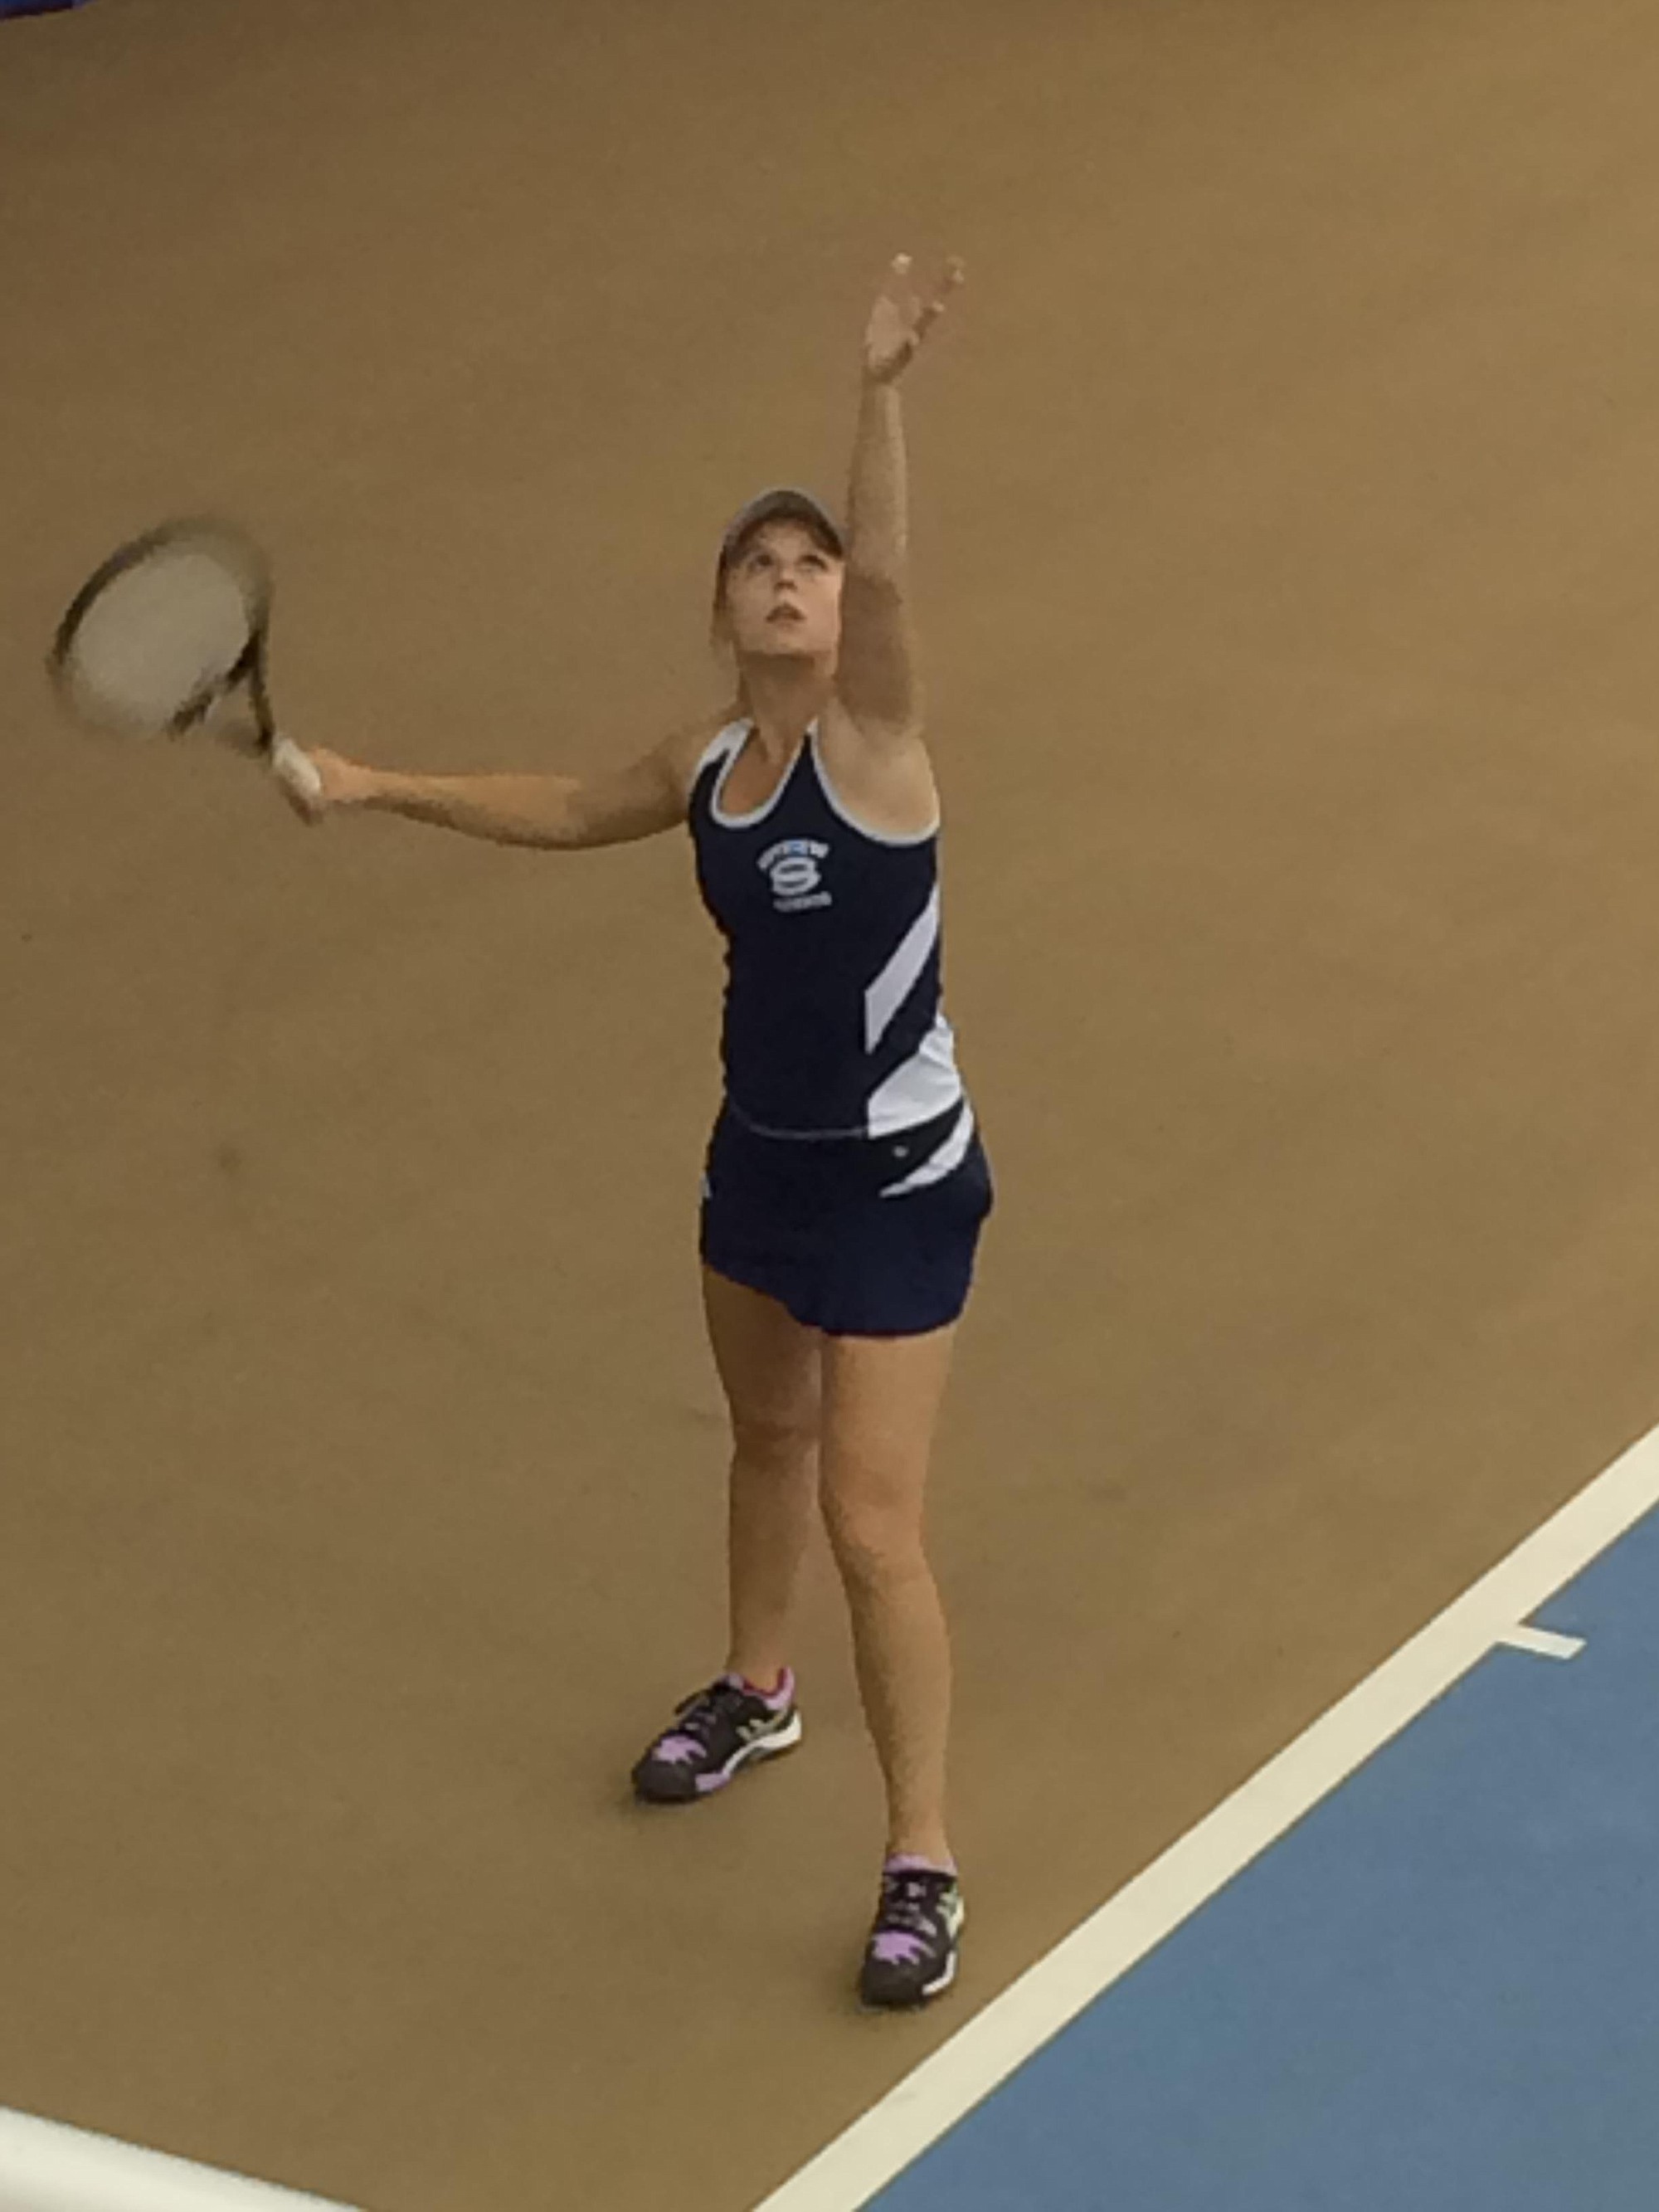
(931, 1852)
(775, 1685)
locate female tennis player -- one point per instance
(846, 1184)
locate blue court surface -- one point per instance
(1438, 1993)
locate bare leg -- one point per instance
(881, 1401)
(769, 1367)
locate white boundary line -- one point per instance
(913, 2115)
(47, 2168)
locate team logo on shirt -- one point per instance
(793, 866)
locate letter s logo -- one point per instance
(794, 876)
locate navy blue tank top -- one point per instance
(832, 1024)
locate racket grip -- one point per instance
(290, 765)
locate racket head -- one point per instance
(162, 630)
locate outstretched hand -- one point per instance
(315, 781)
(902, 318)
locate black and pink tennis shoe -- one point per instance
(716, 1734)
(913, 1947)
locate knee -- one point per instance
(783, 1442)
(876, 1539)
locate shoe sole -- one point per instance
(760, 1747)
(708, 1786)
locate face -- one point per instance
(782, 596)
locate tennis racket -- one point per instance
(170, 634)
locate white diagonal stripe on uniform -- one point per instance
(898, 978)
(934, 1169)
(924, 1086)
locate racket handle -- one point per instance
(291, 767)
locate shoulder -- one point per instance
(686, 752)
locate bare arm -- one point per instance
(876, 674)
(561, 812)
(877, 671)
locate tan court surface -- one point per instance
(1287, 492)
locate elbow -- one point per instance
(564, 826)
(562, 835)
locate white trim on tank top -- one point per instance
(739, 734)
(731, 742)
(838, 806)
(719, 745)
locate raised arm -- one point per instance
(876, 675)
(562, 812)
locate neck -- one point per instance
(783, 698)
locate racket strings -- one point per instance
(152, 644)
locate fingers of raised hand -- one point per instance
(921, 313)
(903, 315)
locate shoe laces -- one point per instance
(909, 1899)
(702, 1711)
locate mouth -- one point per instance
(786, 614)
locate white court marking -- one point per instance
(47, 2168)
(920, 2109)
(1544, 1642)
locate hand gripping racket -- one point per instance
(165, 633)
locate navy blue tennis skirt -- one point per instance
(828, 1228)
